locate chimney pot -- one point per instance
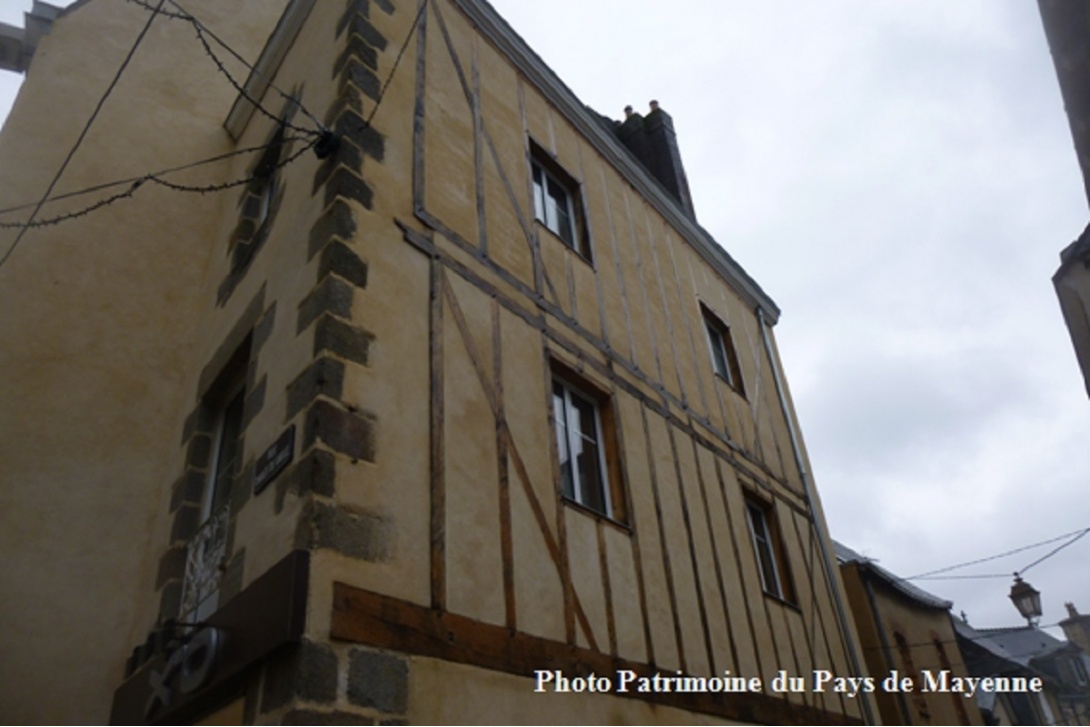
(1071, 611)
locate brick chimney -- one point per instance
(652, 140)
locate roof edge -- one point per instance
(17, 45)
(272, 55)
(510, 43)
(504, 37)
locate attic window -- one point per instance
(724, 356)
(557, 203)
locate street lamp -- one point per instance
(1027, 600)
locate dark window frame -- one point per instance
(224, 410)
(565, 218)
(226, 450)
(725, 362)
(766, 538)
(574, 402)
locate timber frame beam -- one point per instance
(385, 622)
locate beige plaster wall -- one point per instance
(99, 318)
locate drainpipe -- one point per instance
(887, 651)
(819, 525)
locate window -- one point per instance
(225, 453)
(909, 666)
(944, 661)
(264, 187)
(259, 204)
(1076, 670)
(556, 200)
(585, 448)
(265, 194)
(771, 565)
(223, 408)
(207, 553)
(724, 357)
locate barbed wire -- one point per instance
(323, 142)
(159, 173)
(74, 215)
(203, 32)
(211, 188)
(165, 13)
(83, 133)
(159, 178)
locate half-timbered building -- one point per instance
(458, 402)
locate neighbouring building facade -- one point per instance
(1027, 651)
(426, 391)
(904, 629)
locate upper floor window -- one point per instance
(556, 200)
(771, 563)
(1078, 670)
(724, 355)
(586, 449)
(259, 203)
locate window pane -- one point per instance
(539, 194)
(588, 457)
(719, 356)
(590, 477)
(560, 414)
(579, 450)
(227, 450)
(762, 544)
(564, 226)
(265, 201)
(557, 192)
(559, 211)
(550, 212)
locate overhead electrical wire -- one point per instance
(160, 173)
(86, 129)
(982, 576)
(203, 32)
(165, 13)
(156, 177)
(1053, 552)
(1075, 535)
(134, 185)
(318, 140)
(205, 189)
(397, 61)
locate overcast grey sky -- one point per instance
(900, 178)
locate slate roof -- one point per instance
(1020, 644)
(844, 554)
